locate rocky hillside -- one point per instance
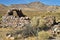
(36, 6)
(2, 7)
(33, 5)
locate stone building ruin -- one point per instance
(17, 19)
(18, 12)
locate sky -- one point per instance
(47, 2)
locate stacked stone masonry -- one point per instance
(14, 21)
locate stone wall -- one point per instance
(11, 21)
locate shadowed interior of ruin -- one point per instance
(10, 13)
(19, 13)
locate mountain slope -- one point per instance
(33, 6)
(36, 6)
(2, 7)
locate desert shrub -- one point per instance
(1, 37)
(35, 21)
(43, 35)
(38, 21)
(0, 19)
(29, 31)
(44, 27)
(41, 23)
